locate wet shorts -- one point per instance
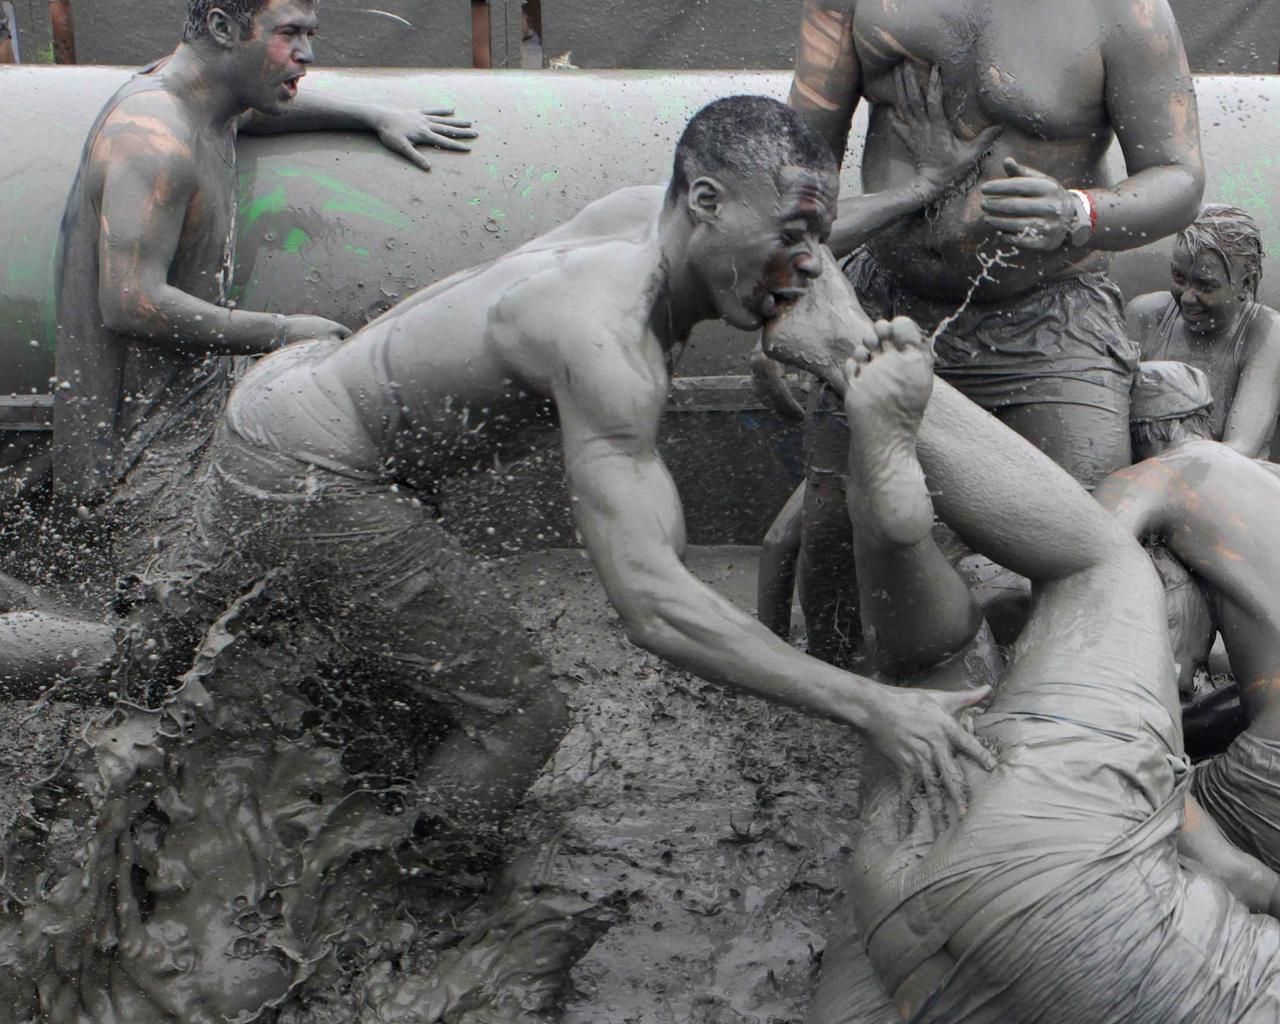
(1240, 789)
(1061, 344)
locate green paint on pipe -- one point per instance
(273, 202)
(348, 199)
(358, 251)
(295, 240)
(549, 176)
(474, 201)
(526, 192)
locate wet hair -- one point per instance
(1148, 432)
(242, 12)
(745, 135)
(1231, 233)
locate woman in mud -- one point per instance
(1057, 894)
(1210, 318)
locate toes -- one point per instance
(904, 334)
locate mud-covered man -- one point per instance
(326, 450)
(1022, 246)
(147, 243)
(1215, 510)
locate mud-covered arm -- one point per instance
(629, 514)
(1142, 319)
(1249, 880)
(1252, 417)
(399, 130)
(1136, 498)
(827, 83)
(1151, 102)
(149, 180)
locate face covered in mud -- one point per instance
(756, 244)
(1210, 294)
(270, 63)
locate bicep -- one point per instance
(143, 208)
(1151, 99)
(828, 78)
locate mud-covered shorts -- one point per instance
(1240, 790)
(369, 561)
(1063, 343)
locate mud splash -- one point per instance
(240, 853)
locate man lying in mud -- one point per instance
(315, 497)
(1057, 893)
(145, 329)
(1215, 510)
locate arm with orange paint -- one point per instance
(148, 181)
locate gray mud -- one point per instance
(707, 829)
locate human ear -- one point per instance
(223, 29)
(706, 197)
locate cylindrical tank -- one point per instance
(333, 224)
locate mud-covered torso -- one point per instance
(126, 394)
(457, 379)
(1036, 69)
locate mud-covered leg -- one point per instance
(779, 553)
(916, 608)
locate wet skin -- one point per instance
(1059, 80)
(584, 318)
(1212, 298)
(1215, 510)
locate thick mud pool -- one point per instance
(705, 830)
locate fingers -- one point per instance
(986, 138)
(440, 142)
(1016, 170)
(1031, 187)
(907, 87)
(956, 789)
(438, 111)
(970, 746)
(971, 698)
(406, 150)
(450, 131)
(933, 98)
(1024, 206)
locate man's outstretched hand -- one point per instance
(918, 733)
(402, 130)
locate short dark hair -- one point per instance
(1231, 233)
(743, 135)
(242, 12)
(1148, 432)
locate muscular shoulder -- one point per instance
(146, 129)
(579, 305)
(1149, 22)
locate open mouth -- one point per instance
(778, 301)
(291, 85)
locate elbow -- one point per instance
(128, 313)
(1190, 194)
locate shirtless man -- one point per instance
(144, 326)
(1042, 344)
(1211, 318)
(1214, 509)
(1058, 894)
(327, 449)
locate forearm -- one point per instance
(312, 112)
(701, 632)
(1152, 204)
(865, 215)
(170, 317)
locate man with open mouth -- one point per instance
(145, 331)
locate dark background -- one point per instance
(1222, 36)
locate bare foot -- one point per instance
(822, 328)
(887, 389)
